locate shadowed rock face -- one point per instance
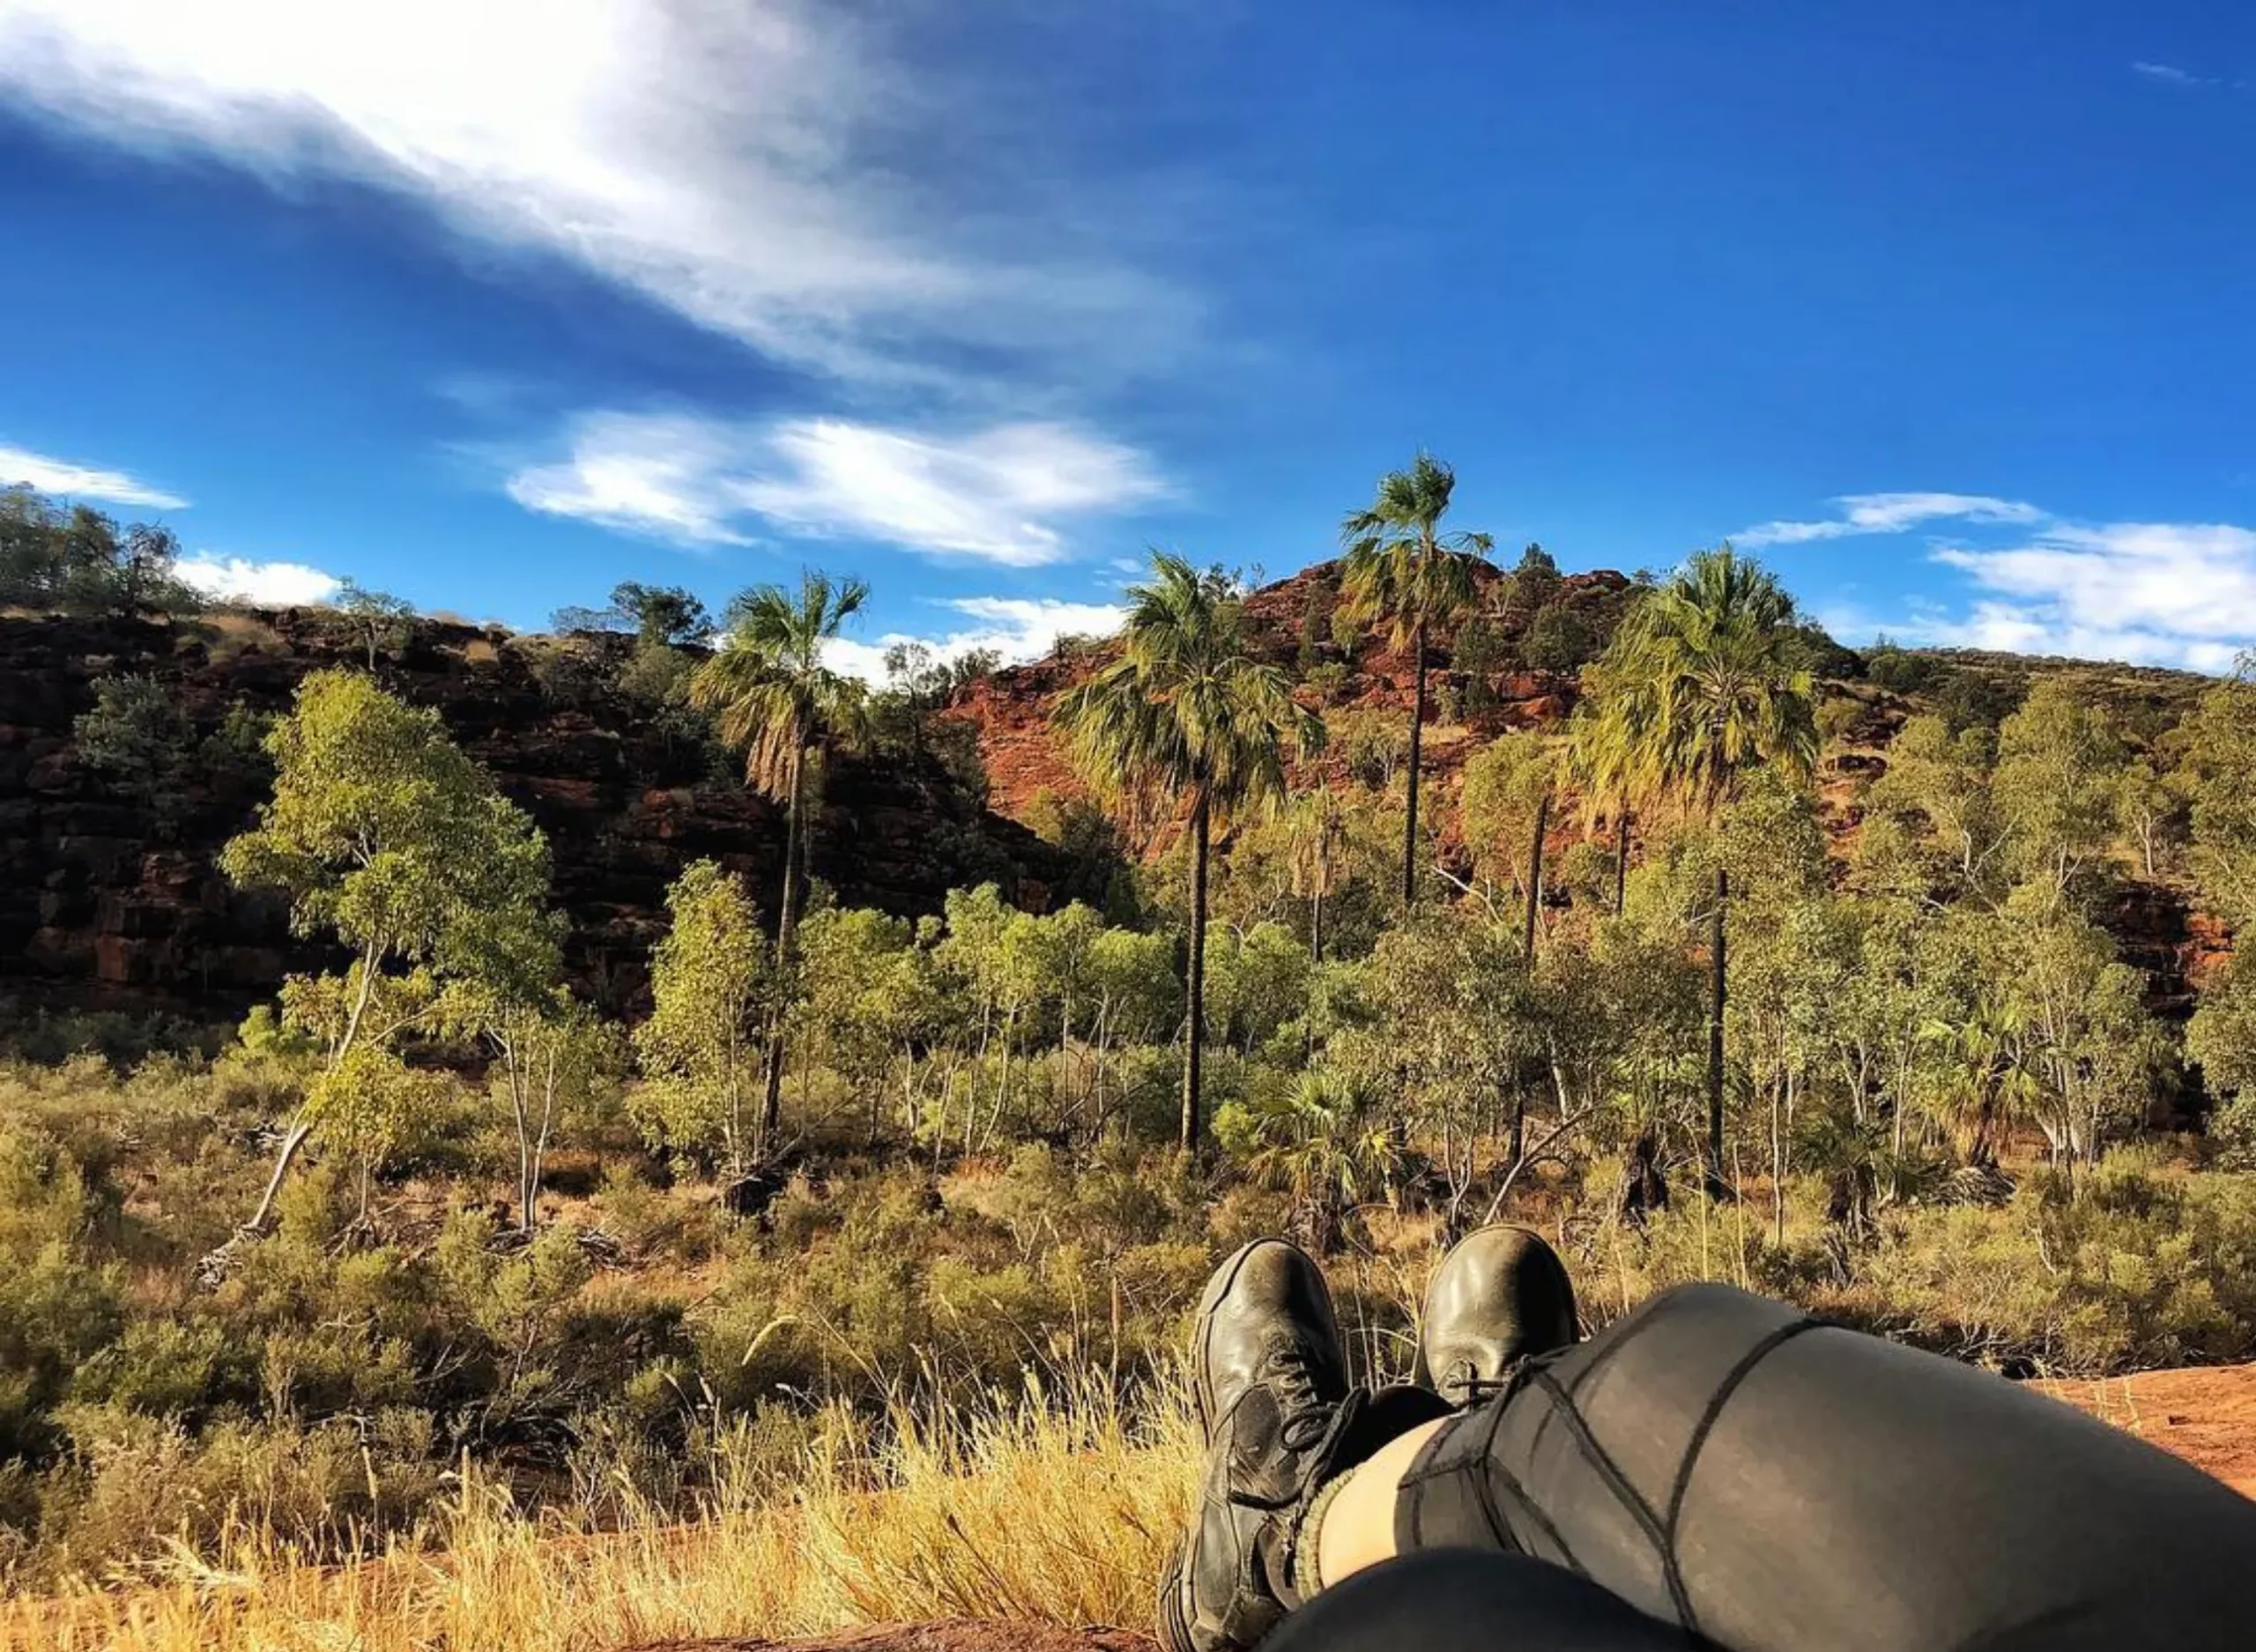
(102, 908)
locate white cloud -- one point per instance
(2157, 593)
(2169, 75)
(61, 477)
(2181, 594)
(781, 171)
(1889, 513)
(261, 584)
(2043, 629)
(672, 476)
(1003, 494)
(1017, 629)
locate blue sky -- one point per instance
(494, 303)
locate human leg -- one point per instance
(1460, 1600)
(1770, 1483)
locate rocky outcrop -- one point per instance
(103, 905)
(1292, 626)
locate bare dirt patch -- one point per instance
(2205, 1416)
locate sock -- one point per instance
(1307, 1537)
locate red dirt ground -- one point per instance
(2207, 1417)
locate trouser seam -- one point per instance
(1709, 1415)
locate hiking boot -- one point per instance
(1500, 1298)
(1270, 1383)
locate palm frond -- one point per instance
(768, 686)
(1185, 709)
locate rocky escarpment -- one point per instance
(108, 903)
(1295, 625)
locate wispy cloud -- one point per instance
(69, 480)
(261, 584)
(786, 172)
(1007, 493)
(2169, 75)
(1016, 628)
(1888, 512)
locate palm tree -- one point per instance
(775, 698)
(1326, 1144)
(1707, 677)
(1319, 831)
(1402, 569)
(1185, 718)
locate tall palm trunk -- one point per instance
(1717, 978)
(1620, 859)
(1195, 1037)
(1315, 921)
(787, 926)
(1535, 878)
(1417, 745)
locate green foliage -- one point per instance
(1257, 982)
(700, 1049)
(1186, 715)
(2222, 1036)
(659, 616)
(1706, 678)
(1373, 747)
(1400, 569)
(78, 561)
(381, 832)
(2150, 810)
(376, 622)
(139, 741)
(1323, 1141)
(2220, 746)
(1559, 640)
(1505, 782)
(1838, 716)
(58, 1306)
(1479, 655)
(767, 685)
(1828, 659)
(1944, 778)
(972, 1199)
(1535, 580)
(2061, 763)
(2125, 1270)
(384, 834)
(1969, 698)
(1898, 669)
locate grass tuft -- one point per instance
(1056, 1507)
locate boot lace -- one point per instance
(1306, 1416)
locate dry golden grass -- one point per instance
(1057, 1509)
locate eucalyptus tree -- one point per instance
(1184, 718)
(386, 838)
(708, 981)
(1403, 569)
